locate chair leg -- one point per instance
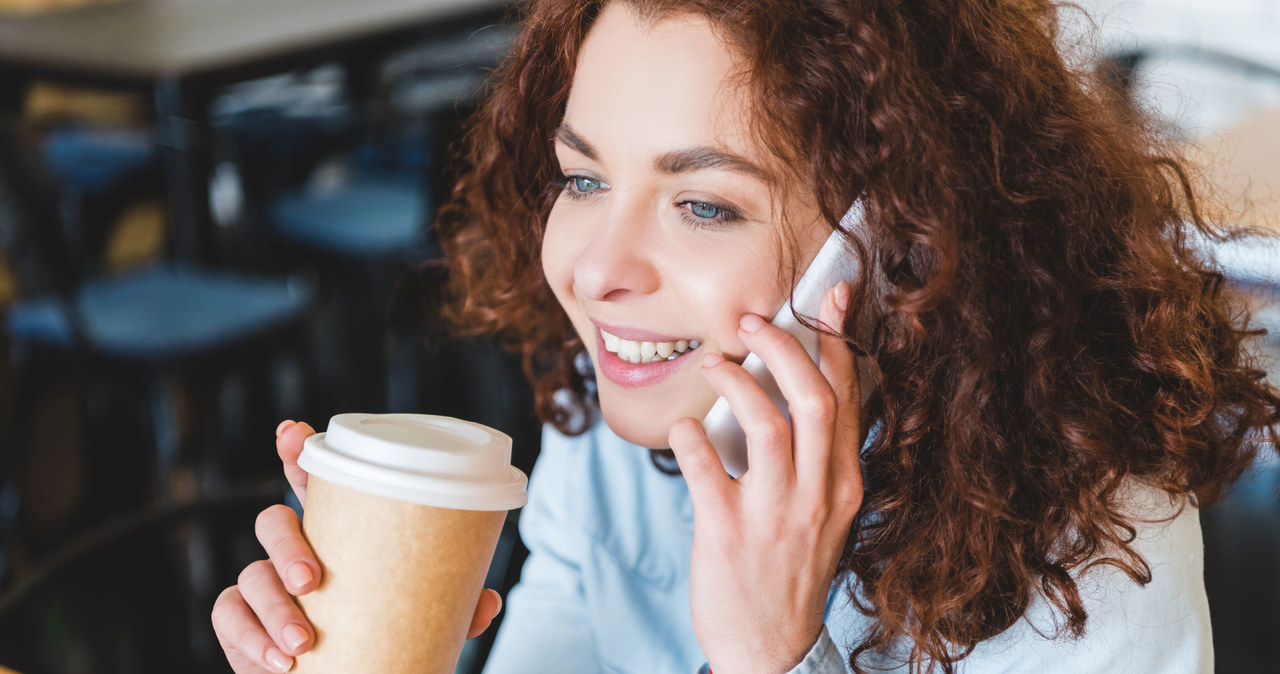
(164, 424)
(191, 543)
(9, 498)
(27, 390)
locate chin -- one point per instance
(645, 426)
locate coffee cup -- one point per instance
(403, 512)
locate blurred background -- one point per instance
(216, 214)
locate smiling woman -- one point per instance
(1051, 354)
(1061, 380)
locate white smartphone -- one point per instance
(834, 262)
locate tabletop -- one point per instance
(149, 39)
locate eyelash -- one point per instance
(724, 215)
(565, 184)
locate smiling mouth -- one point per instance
(647, 352)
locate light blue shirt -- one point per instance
(606, 584)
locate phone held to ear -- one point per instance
(834, 262)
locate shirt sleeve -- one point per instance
(546, 627)
(823, 658)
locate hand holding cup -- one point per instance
(257, 621)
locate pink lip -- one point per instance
(635, 334)
(635, 375)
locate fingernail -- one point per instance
(751, 322)
(283, 425)
(293, 636)
(499, 606)
(278, 660)
(712, 359)
(842, 296)
(299, 575)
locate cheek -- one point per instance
(721, 292)
(558, 254)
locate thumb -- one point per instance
(487, 609)
(290, 436)
(699, 464)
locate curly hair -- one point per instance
(1044, 328)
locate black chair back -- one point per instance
(31, 231)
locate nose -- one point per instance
(618, 261)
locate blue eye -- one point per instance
(584, 185)
(706, 211)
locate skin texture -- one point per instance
(633, 243)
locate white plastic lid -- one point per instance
(418, 458)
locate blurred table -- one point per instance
(183, 51)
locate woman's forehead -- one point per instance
(659, 86)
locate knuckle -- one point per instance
(254, 573)
(779, 338)
(683, 431)
(850, 501)
(248, 638)
(844, 501)
(229, 594)
(220, 607)
(817, 517)
(279, 610)
(699, 465)
(269, 520)
(774, 432)
(819, 405)
(273, 527)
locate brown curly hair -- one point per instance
(1044, 328)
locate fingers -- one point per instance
(838, 364)
(835, 360)
(809, 395)
(487, 609)
(767, 431)
(275, 609)
(280, 532)
(289, 438)
(699, 464)
(248, 647)
(822, 399)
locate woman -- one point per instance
(1059, 380)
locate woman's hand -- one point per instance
(258, 623)
(766, 546)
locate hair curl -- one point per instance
(1044, 329)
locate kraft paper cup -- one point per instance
(403, 512)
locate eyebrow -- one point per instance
(677, 161)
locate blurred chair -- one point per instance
(361, 214)
(268, 134)
(376, 208)
(130, 334)
(98, 172)
(109, 599)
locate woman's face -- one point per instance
(671, 224)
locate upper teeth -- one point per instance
(647, 352)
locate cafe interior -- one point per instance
(216, 214)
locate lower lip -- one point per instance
(635, 375)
